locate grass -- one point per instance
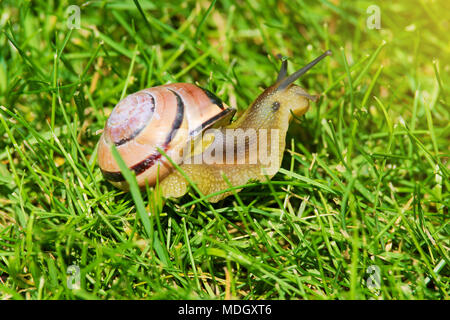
(362, 196)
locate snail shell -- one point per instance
(166, 117)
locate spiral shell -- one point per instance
(166, 117)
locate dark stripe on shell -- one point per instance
(138, 130)
(117, 176)
(214, 99)
(208, 123)
(178, 118)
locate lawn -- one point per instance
(358, 210)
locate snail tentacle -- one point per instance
(290, 79)
(283, 69)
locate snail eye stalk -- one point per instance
(290, 79)
(283, 69)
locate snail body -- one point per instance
(175, 117)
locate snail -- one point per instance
(185, 122)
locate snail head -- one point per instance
(293, 96)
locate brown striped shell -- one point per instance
(166, 117)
